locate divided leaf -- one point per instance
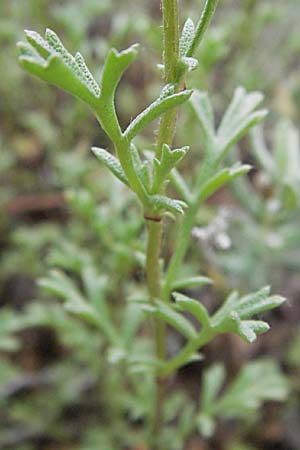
(49, 60)
(240, 117)
(203, 109)
(169, 159)
(58, 284)
(93, 311)
(256, 383)
(231, 316)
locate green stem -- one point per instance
(165, 136)
(188, 221)
(153, 274)
(170, 59)
(191, 347)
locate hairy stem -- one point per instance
(170, 59)
(165, 136)
(154, 287)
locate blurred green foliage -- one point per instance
(66, 394)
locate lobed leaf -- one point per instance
(49, 60)
(203, 109)
(230, 317)
(169, 159)
(240, 117)
(58, 284)
(255, 383)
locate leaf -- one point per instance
(287, 154)
(161, 202)
(165, 102)
(187, 37)
(240, 117)
(213, 379)
(115, 65)
(173, 318)
(194, 307)
(142, 168)
(256, 383)
(111, 162)
(230, 317)
(186, 64)
(202, 107)
(58, 284)
(202, 24)
(262, 154)
(169, 159)
(191, 282)
(49, 60)
(181, 186)
(223, 177)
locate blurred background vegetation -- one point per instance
(60, 209)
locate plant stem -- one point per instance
(154, 287)
(153, 272)
(170, 59)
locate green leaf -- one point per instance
(223, 177)
(240, 117)
(194, 307)
(261, 153)
(186, 64)
(203, 109)
(115, 65)
(187, 37)
(142, 168)
(161, 203)
(287, 155)
(202, 24)
(181, 186)
(94, 312)
(169, 159)
(212, 382)
(191, 282)
(111, 162)
(58, 284)
(230, 317)
(49, 60)
(166, 101)
(173, 318)
(256, 383)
